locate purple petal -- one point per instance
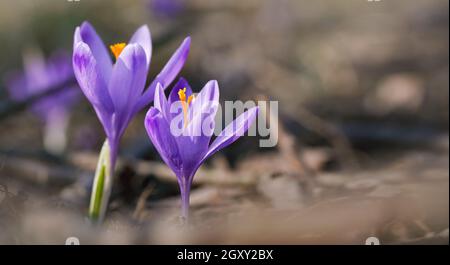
(159, 132)
(128, 78)
(77, 37)
(88, 35)
(16, 84)
(206, 102)
(192, 149)
(160, 102)
(167, 74)
(175, 63)
(88, 77)
(35, 72)
(142, 37)
(105, 120)
(59, 67)
(232, 132)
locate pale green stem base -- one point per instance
(101, 188)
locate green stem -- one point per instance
(101, 187)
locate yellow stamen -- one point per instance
(190, 98)
(182, 94)
(185, 104)
(185, 113)
(117, 48)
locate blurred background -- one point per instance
(363, 140)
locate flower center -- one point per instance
(117, 48)
(185, 104)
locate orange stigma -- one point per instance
(117, 48)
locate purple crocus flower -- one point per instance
(181, 128)
(39, 76)
(116, 90)
(167, 8)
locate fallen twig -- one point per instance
(139, 211)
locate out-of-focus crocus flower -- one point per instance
(116, 91)
(182, 134)
(167, 8)
(39, 76)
